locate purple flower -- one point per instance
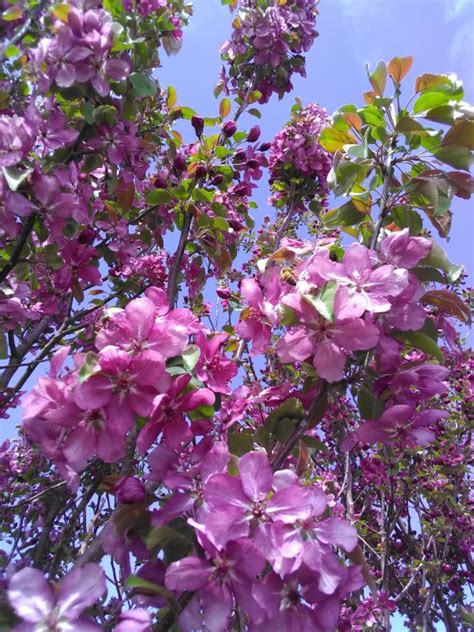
(397, 423)
(35, 602)
(327, 342)
(138, 620)
(129, 489)
(233, 503)
(217, 580)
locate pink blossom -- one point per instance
(35, 602)
(328, 343)
(213, 368)
(398, 422)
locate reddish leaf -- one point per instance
(449, 303)
(399, 67)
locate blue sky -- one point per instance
(439, 34)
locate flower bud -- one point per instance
(265, 146)
(200, 171)
(198, 123)
(179, 163)
(87, 236)
(229, 128)
(223, 292)
(254, 134)
(130, 490)
(218, 179)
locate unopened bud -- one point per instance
(130, 490)
(229, 128)
(254, 134)
(198, 123)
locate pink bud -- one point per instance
(198, 123)
(200, 171)
(254, 134)
(179, 163)
(130, 490)
(229, 128)
(223, 292)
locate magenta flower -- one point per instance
(217, 581)
(130, 489)
(416, 384)
(138, 620)
(328, 343)
(124, 385)
(397, 423)
(361, 287)
(257, 319)
(42, 608)
(168, 410)
(213, 368)
(77, 266)
(403, 251)
(148, 323)
(232, 503)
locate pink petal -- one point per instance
(189, 573)
(256, 475)
(329, 361)
(30, 595)
(80, 589)
(93, 393)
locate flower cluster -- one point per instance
(80, 53)
(298, 165)
(90, 410)
(267, 45)
(243, 522)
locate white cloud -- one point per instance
(456, 8)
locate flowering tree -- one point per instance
(228, 428)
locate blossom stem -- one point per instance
(16, 254)
(174, 270)
(384, 206)
(319, 403)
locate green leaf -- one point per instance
(148, 588)
(220, 223)
(427, 274)
(255, 112)
(157, 196)
(370, 407)
(240, 443)
(342, 177)
(12, 13)
(420, 341)
(378, 78)
(203, 195)
(224, 107)
(461, 134)
(143, 85)
(408, 125)
(332, 139)
(291, 408)
(11, 51)
(429, 100)
(15, 178)
(191, 356)
(454, 155)
(171, 98)
(89, 366)
(345, 215)
(323, 302)
(439, 259)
